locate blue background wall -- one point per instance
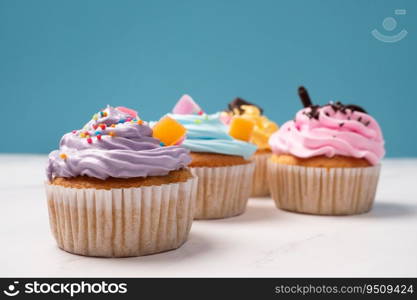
(61, 61)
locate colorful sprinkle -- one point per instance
(140, 122)
(121, 121)
(95, 126)
(161, 144)
(98, 137)
(197, 121)
(102, 126)
(74, 131)
(95, 117)
(82, 135)
(89, 140)
(97, 132)
(128, 119)
(103, 114)
(63, 156)
(112, 133)
(201, 112)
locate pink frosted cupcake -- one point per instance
(327, 160)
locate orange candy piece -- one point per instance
(241, 128)
(168, 131)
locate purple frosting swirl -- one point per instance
(131, 152)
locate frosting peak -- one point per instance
(333, 129)
(114, 144)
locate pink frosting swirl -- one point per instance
(328, 131)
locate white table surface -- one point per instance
(262, 242)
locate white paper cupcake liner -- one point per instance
(121, 222)
(260, 187)
(222, 191)
(334, 191)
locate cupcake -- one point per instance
(262, 131)
(327, 160)
(114, 191)
(222, 163)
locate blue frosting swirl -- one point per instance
(206, 133)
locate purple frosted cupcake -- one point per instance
(114, 191)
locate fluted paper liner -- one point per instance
(260, 187)
(121, 222)
(334, 191)
(222, 191)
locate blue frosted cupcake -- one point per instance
(221, 162)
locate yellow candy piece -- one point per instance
(168, 131)
(241, 128)
(264, 127)
(63, 156)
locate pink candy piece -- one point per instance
(186, 106)
(128, 111)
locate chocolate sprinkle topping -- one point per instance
(338, 106)
(314, 112)
(237, 104)
(354, 107)
(305, 98)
